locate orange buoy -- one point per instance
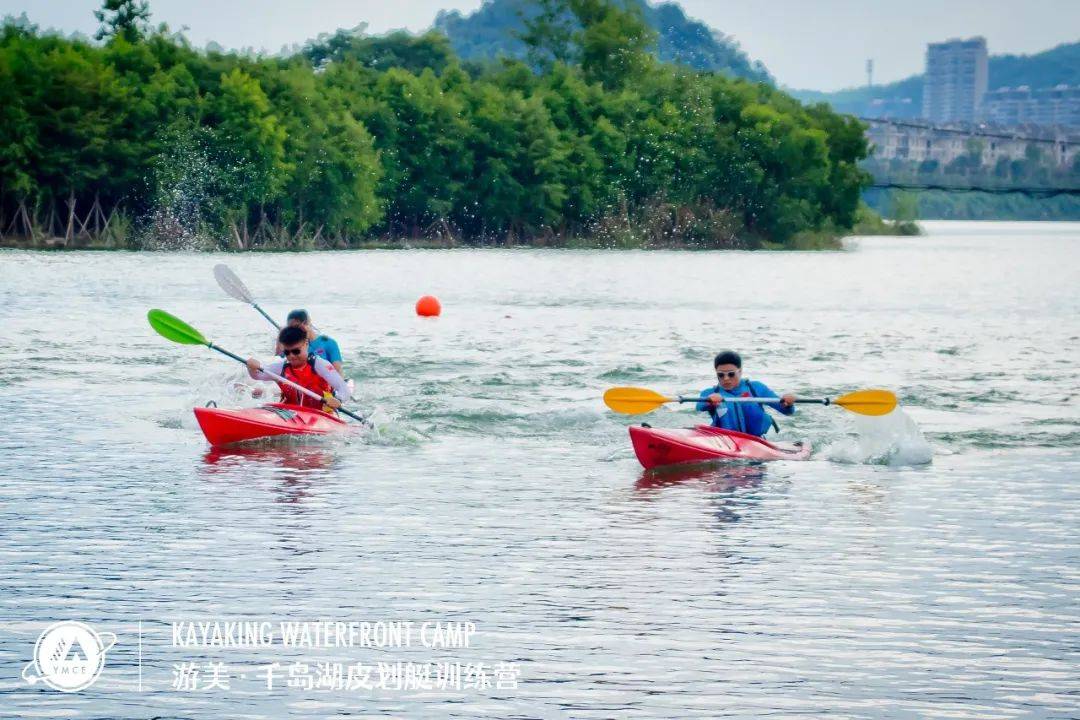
(428, 306)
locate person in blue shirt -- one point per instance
(322, 346)
(749, 418)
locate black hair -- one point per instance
(291, 335)
(300, 315)
(728, 357)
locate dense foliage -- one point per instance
(950, 205)
(390, 137)
(496, 28)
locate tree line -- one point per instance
(141, 140)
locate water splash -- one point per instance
(387, 429)
(183, 176)
(894, 439)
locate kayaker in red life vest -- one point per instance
(305, 369)
(749, 418)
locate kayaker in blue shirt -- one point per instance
(322, 346)
(749, 418)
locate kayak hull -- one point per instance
(659, 447)
(226, 427)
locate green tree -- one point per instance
(19, 134)
(420, 131)
(548, 34)
(845, 138)
(398, 49)
(516, 183)
(336, 170)
(248, 149)
(128, 19)
(615, 42)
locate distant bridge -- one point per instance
(1030, 191)
(901, 147)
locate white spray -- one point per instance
(892, 439)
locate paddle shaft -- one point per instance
(760, 400)
(263, 313)
(272, 322)
(280, 379)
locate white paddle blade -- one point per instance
(231, 284)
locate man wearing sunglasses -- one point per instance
(323, 346)
(749, 418)
(305, 369)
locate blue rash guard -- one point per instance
(749, 418)
(325, 347)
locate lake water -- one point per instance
(923, 565)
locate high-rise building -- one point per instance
(955, 80)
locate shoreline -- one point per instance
(806, 241)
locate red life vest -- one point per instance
(306, 377)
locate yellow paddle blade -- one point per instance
(868, 402)
(634, 401)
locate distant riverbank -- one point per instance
(810, 241)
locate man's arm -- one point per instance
(328, 373)
(764, 391)
(256, 369)
(710, 403)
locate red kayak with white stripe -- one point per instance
(225, 427)
(657, 447)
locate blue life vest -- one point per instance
(749, 418)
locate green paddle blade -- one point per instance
(175, 329)
(868, 402)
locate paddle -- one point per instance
(236, 288)
(173, 328)
(634, 401)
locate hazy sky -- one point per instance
(816, 44)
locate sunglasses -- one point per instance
(728, 374)
(293, 351)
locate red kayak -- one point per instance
(223, 427)
(656, 447)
